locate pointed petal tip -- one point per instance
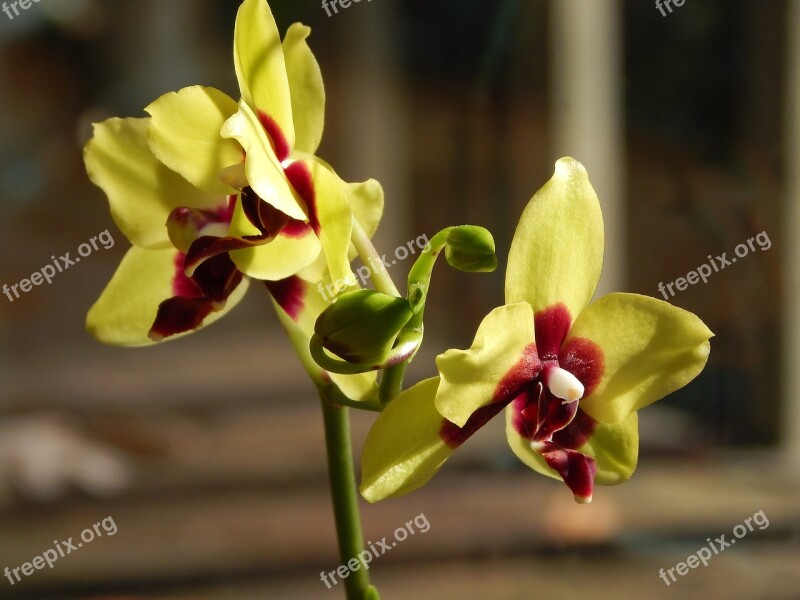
(583, 499)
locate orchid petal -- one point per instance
(557, 252)
(261, 71)
(127, 308)
(307, 89)
(184, 134)
(141, 191)
(262, 167)
(404, 448)
(500, 360)
(650, 349)
(366, 202)
(332, 209)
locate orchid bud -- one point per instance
(361, 327)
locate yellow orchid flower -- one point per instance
(570, 375)
(208, 202)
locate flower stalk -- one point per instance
(344, 495)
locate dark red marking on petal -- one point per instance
(525, 413)
(576, 469)
(577, 433)
(299, 175)
(275, 133)
(182, 286)
(263, 216)
(178, 315)
(454, 436)
(267, 219)
(208, 246)
(552, 326)
(521, 374)
(225, 213)
(195, 297)
(584, 359)
(290, 294)
(217, 278)
(296, 229)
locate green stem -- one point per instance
(391, 383)
(418, 281)
(369, 255)
(344, 495)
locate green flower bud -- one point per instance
(470, 248)
(361, 326)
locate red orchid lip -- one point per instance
(555, 428)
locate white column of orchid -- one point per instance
(587, 111)
(791, 257)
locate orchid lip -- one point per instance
(564, 385)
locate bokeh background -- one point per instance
(208, 453)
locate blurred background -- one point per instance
(208, 452)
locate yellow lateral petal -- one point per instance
(650, 348)
(141, 190)
(470, 378)
(184, 134)
(126, 310)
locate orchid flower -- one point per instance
(211, 192)
(570, 375)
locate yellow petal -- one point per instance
(264, 172)
(185, 135)
(334, 217)
(499, 360)
(141, 190)
(307, 90)
(404, 448)
(127, 308)
(261, 70)
(557, 252)
(293, 249)
(650, 348)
